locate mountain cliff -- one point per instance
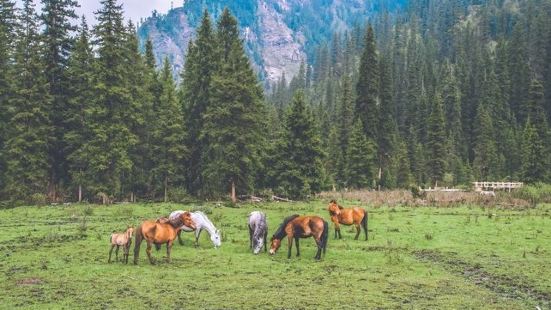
(278, 34)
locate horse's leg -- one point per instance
(358, 230)
(296, 244)
(197, 234)
(340, 236)
(110, 251)
(168, 249)
(265, 240)
(180, 237)
(290, 246)
(318, 243)
(117, 253)
(148, 251)
(250, 237)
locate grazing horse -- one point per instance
(296, 227)
(202, 222)
(348, 216)
(123, 239)
(159, 232)
(258, 231)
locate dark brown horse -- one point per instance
(160, 232)
(296, 227)
(350, 216)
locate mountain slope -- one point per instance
(278, 34)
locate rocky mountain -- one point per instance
(278, 34)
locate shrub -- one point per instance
(178, 194)
(535, 193)
(38, 199)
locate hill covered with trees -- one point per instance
(442, 93)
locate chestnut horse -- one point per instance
(159, 232)
(356, 216)
(296, 227)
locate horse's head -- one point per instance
(276, 243)
(333, 208)
(216, 238)
(187, 221)
(129, 231)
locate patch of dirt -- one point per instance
(30, 281)
(510, 287)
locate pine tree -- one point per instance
(403, 173)
(361, 158)
(169, 135)
(367, 86)
(436, 163)
(57, 18)
(233, 122)
(79, 92)
(344, 124)
(138, 115)
(7, 32)
(533, 168)
(485, 151)
(387, 124)
(29, 129)
(201, 63)
(300, 160)
(111, 138)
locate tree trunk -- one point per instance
(79, 193)
(166, 189)
(233, 197)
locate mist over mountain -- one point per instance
(278, 34)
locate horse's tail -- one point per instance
(364, 223)
(324, 235)
(139, 237)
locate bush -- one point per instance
(535, 193)
(38, 199)
(178, 195)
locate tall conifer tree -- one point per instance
(233, 121)
(29, 129)
(368, 86)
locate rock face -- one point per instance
(278, 34)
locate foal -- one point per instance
(123, 239)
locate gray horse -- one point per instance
(258, 230)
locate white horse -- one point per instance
(258, 230)
(201, 222)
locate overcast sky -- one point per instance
(133, 9)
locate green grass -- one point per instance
(465, 257)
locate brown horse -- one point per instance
(159, 232)
(356, 216)
(296, 227)
(123, 239)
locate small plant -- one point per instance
(38, 199)
(428, 236)
(83, 227)
(88, 211)
(230, 204)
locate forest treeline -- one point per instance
(443, 93)
(449, 92)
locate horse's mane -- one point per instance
(206, 221)
(280, 232)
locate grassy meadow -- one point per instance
(416, 257)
